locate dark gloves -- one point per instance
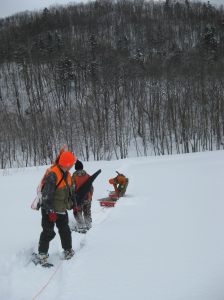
(52, 216)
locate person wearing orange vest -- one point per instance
(120, 183)
(82, 211)
(56, 199)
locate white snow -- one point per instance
(163, 241)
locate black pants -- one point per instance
(48, 232)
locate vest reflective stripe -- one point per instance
(56, 170)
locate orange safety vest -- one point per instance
(55, 169)
(120, 179)
(79, 181)
(62, 200)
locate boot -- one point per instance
(42, 258)
(68, 254)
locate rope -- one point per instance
(49, 280)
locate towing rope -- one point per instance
(49, 280)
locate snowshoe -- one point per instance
(79, 229)
(41, 259)
(68, 254)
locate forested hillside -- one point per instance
(107, 77)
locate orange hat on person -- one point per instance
(121, 179)
(67, 159)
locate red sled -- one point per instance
(107, 202)
(113, 195)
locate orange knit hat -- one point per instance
(67, 159)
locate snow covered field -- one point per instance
(163, 241)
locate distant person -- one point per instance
(82, 211)
(120, 183)
(56, 199)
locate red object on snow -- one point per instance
(107, 203)
(113, 195)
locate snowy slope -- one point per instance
(163, 241)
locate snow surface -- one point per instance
(163, 241)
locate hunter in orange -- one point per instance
(56, 193)
(120, 183)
